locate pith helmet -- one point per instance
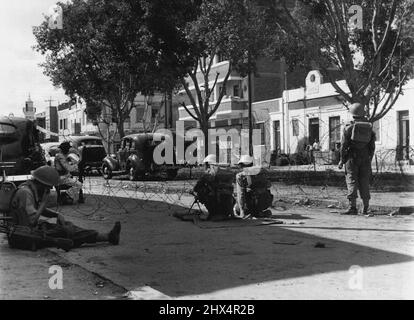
(46, 175)
(210, 159)
(246, 160)
(357, 110)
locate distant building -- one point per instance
(268, 82)
(146, 115)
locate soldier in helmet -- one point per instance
(215, 190)
(357, 151)
(29, 202)
(65, 168)
(253, 195)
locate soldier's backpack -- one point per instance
(362, 132)
(223, 192)
(223, 179)
(259, 197)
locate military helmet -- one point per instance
(246, 160)
(357, 110)
(46, 175)
(210, 159)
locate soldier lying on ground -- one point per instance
(28, 204)
(253, 195)
(215, 190)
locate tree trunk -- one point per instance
(120, 126)
(204, 128)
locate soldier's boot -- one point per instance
(365, 210)
(112, 237)
(352, 210)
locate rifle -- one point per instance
(26, 238)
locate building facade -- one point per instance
(146, 115)
(318, 113)
(267, 84)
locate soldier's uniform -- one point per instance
(253, 194)
(25, 205)
(64, 168)
(357, 151)
(215, 190)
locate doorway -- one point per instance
(403, 148)
(276, 131)
(313, 130)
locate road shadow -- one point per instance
(179, 259)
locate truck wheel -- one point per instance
(106, 172)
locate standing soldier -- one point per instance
(65, 169)
(253, 195)
(357, 151)
(215, 190)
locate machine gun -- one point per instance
(26, 238)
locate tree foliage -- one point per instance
(230, 28)
(375, 60)
(110, 50)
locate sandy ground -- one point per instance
(315, 254)
(25, 276)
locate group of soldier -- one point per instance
(214, 189)
(29, 203)
(253, 196)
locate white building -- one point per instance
(318, 112)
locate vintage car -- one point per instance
(19, 146)
(135, 158)
(90, 150)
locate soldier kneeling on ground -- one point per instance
(29, 202)
(253, 191)
(215, 190)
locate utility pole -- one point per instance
(50, 101)
(249, 83)
(165, 111)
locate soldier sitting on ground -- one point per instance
(215, 190)
(29, 202)
(253, 191)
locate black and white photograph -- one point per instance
(206, 155)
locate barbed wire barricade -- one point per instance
(322, 181)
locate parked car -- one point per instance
(135, 158)
(50, 149)
(90, 150)
(19, 145)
